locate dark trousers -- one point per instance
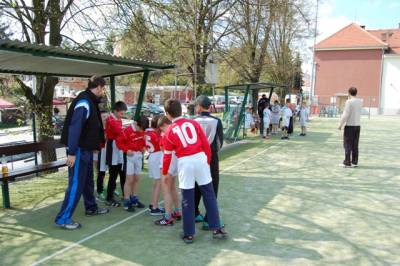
(290, 129)
(261, 125)
(214, 168)
(80, 181)
(350, 141)
(114, 171)
(210, 202)
(100, 176)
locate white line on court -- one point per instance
(75, 244)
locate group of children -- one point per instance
(274, 115)
(169, 141)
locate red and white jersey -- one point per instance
(131, 140)
(153, 139)
(185, 137)
(113, 127)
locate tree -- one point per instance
(3, 28)
(37, 21)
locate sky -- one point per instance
(334, 15)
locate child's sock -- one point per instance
(167, 216)
(127, 202)
(177, 209)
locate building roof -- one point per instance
(31, 59)
(391, 37)
(6, 104)
(351, 37)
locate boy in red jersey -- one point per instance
(153, 139)
(132, 142)
(171, 197)
(114, 156)
(187, 139)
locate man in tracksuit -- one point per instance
(82, 134)
(213, 129)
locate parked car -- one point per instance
(148, 109)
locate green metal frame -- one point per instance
(247, 88)
(141, 94)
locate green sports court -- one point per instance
(283, 203)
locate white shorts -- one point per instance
(102, 164)
(173, 166)
(193, 168)
(154, 164)
(134, 163)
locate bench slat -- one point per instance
(30, 147)
(33, 170)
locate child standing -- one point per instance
(132, 143)
(286, 115)
(266, 120)
(303, 113)
(153, 140)
(171, 197)
(187, 139)
(114, 156)
(275, 116)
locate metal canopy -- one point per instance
(33, 59)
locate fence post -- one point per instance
(6, 193)
(369, 111)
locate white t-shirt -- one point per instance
(266, 115)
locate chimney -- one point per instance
(363, 26)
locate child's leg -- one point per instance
(122, 177)
(128, 187)
(174, 194)
(155, 195)
(188, 211)
(100, 182)
(210, 203)
(113, 171)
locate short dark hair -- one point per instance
(142, 122)
(276, 101)
(264, 95)
(203, 101)
(163, 121)
(154, 121)
(288, 100)
(56, 110)
(96, 81)
(120, 106)
(173, 107)
(353, 91)
(190, 109)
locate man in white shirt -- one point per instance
(351, 120)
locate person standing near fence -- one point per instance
(260, 109)
(82, 134)
(351, 121)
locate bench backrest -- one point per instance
(30, 147)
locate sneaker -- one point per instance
(177, 215)
(100, 197)
(187, 239)
(354, 165)
(70, 226)
(128, 206)
(164, 222)
(156, 212)
(199, 218)
(138, 204)
(113, 203)
(116, 193)
(206, 226)
(97, 211)
(220, 234)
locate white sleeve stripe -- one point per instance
(167, 152)
(84, 104)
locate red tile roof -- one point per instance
(351, 37)
(391, 37)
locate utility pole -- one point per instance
(314, 68)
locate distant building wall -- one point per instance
(337, 71)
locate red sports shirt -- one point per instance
(113, 127)
(131, 140)
(185, 137)
(153, 139)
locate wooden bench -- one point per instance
(27, 172)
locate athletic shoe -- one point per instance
(116, 193)
(156, 212)
(199, 218)
(138, 204)
(70, 226)
(177, 215)
(128, 206)
(187, 239)
(113, 203)
(164, 222)
(97, 211)
(100, 197)
(354, 165)
(220, 234)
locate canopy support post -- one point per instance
(143, 86)
(112, 91)
(241, 113)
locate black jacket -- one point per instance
(92, 133)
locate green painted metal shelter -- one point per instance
(231, 132)
(33, 59)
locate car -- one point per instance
(148, 110)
